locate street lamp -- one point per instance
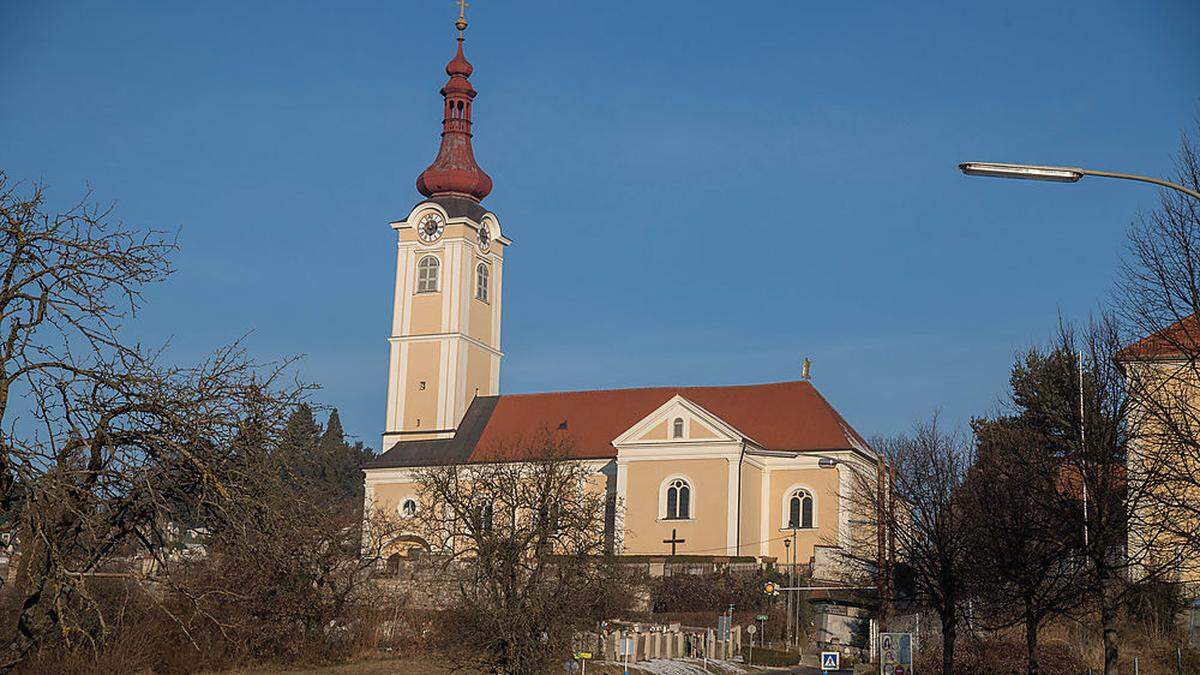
(1058, 174)
(884, 528)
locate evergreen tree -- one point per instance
(341, 462)
(334, 438)
(298, 442)
(321, 458)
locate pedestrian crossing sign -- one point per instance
(831, 661)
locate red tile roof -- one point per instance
(1179, 339)
(776, 416)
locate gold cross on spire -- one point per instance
(461, 23)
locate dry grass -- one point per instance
(379, 666)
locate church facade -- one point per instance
(722, 471)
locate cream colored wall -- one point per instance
(479, 370)
(386, 489)
(420, 410)
(1176, 384)
(823, 483)
(426, 312)
(479, 324)
(751, 511)
(389, 495)
(693, 430)
(705, 533)
(658, 433)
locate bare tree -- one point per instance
(109, 449)
(66, 281)
(528, 536)
(287, 559)
(920, 514)
(1159, 299)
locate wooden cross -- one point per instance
(673, 540)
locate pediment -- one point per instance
(658, 427)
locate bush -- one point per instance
(1158, 605)
(712, 592)
(765, 656)
(1000, 655)
(151, 629)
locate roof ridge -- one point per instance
(1169, 341)
(850, 432)
(665, 387)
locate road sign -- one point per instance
(761, 617)
(724, 623)
(752, 629)
(831, 661)
(769, 589)
(583, 655)
(895, 653)
(626, 646)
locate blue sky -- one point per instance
(698, 192)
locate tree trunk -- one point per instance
(949, 635)
(1108, 622)
(1031, 645)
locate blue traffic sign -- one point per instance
(831, 661)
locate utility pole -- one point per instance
(1083, 478)
(787, 635)
(881, 565)
(796, 600)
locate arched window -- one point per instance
(800, 510)
(481, 282)
(427, 274)
(408, 508)
(677, 428)
(679, 500)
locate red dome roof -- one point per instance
(459, 65)
(454, 171)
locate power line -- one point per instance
(706, 550)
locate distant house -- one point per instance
(1164, 367)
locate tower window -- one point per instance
(677, 428)
(409, 508)
(481, 282)
(427, 274)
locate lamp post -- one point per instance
(1059, 174)
(796, 600)
(787, 552)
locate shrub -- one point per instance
(1157, 605)
(712, 592)
(765, 656)
(1001, 655)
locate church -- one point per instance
(725, 471)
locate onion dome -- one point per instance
(454, 171)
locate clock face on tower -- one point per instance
(485, 238)
(430, 227)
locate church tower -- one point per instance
(445, 339)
